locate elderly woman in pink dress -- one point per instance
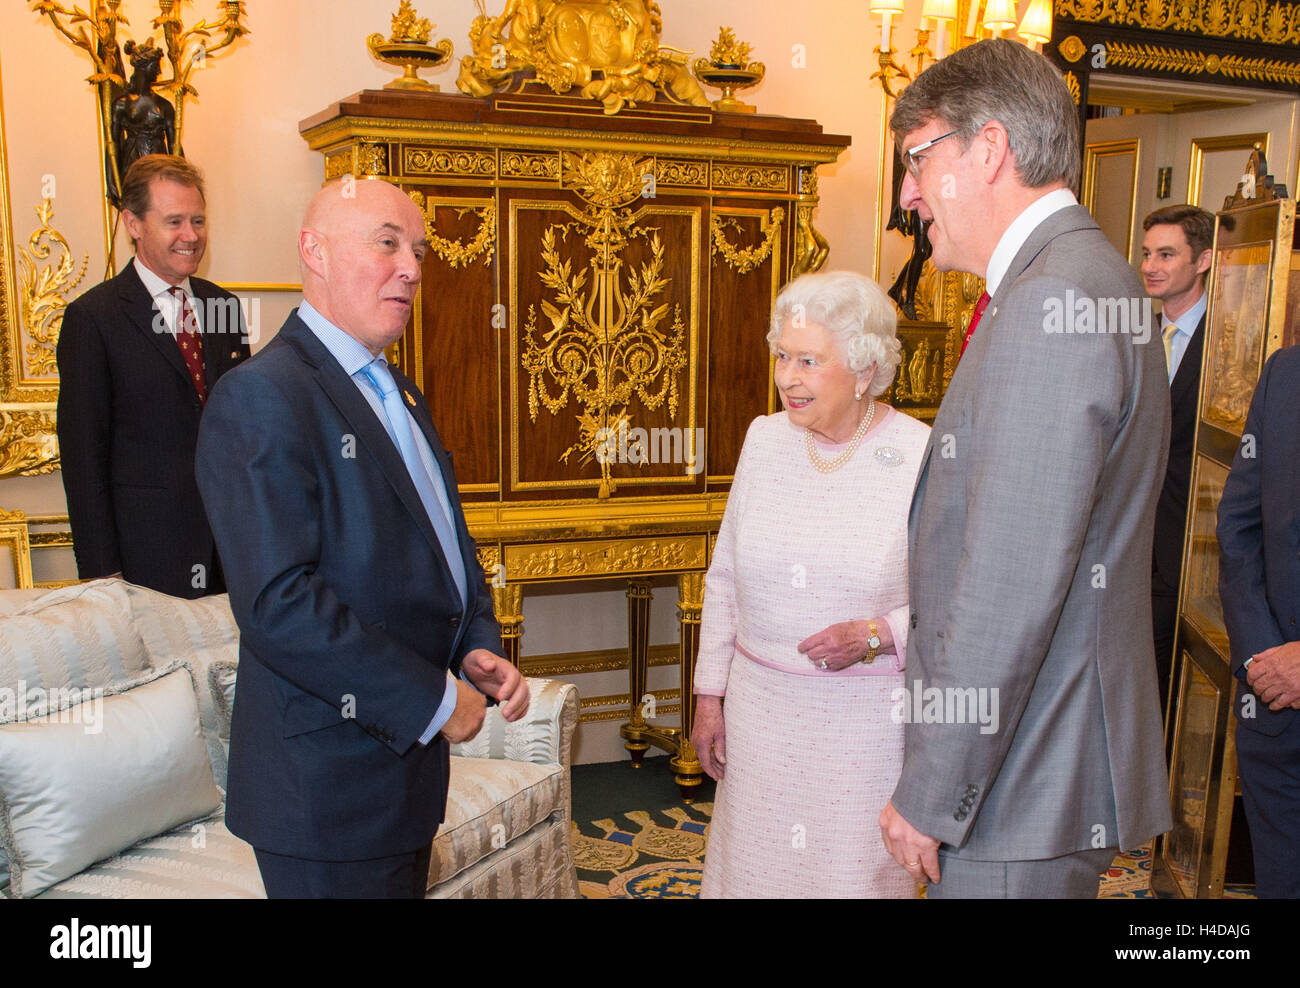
(804, 633)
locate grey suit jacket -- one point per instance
(1030, 546)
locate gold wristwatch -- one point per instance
(873, 642)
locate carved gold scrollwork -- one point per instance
(694, 174)
(43, 289)
(1269, 21)
(609, 48)
(1159, 58)
(606, 558)
(436, 161)
(605, 344)
(1072, 84)
(745, 259)
(489, 557)
(29, 444)
(530, 164)
(372, 159)
(771, 178)
(455, 252)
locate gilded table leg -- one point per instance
(508, 602)
(690, 601)
(640, 594)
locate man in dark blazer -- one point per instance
(1029, 537)
(1259, 584)
(366, 627)
(1176, 254)
(137, 356)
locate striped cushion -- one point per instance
(491, 803)
(172, 627)
(196, 861)
(77, 637)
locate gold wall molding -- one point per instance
(622, 702)
(745, 259)
(1269, 21)
(1201, 146)
(1158, 58)
(29, 443)
(44, 288)
(605, 557)
(13, 537)
(1093, 155)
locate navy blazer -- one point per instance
(128, 422)
(1259, 530)
(348, 615)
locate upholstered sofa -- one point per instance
(114, 726)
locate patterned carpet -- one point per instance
(659, 854)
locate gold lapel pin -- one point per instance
(409, 400)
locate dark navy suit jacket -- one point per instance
(1171, 508)
(128, 422)
(1259, 530)
(348, 615)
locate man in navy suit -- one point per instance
(1259, 584)
(1176, 254)
(137, 355)
(367, 639)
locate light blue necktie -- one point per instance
(381, 379)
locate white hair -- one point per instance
(859, 318)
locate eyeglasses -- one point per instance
(911, 159)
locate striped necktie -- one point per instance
(1171, 330)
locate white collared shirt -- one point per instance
(167, 303)
(1018, 232)
(1186, 324)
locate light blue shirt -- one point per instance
(353, 357)
(1186, 324)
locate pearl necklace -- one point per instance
(824, 465)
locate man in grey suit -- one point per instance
(1031, 523)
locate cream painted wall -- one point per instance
(1166, 140)
(300, 57)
